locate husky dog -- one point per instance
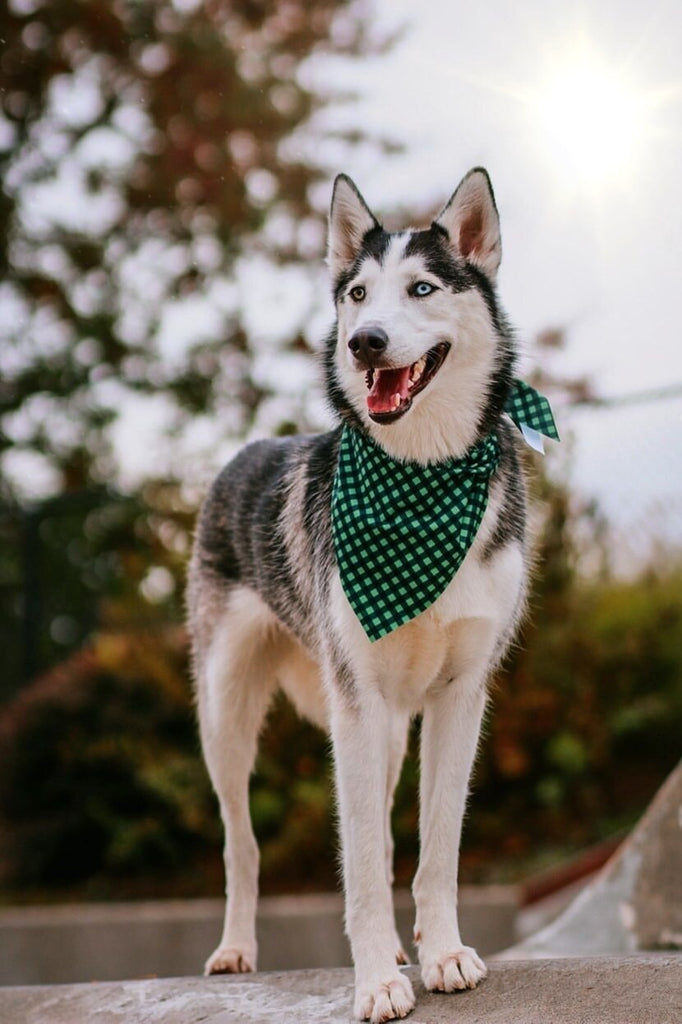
(420, 363)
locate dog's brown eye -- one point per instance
(358, 293)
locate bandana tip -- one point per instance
(533, 438)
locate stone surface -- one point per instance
(635, 902)
(644, 989)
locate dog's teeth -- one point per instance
(417, 370)
(396, 400)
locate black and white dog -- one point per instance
(420, 365)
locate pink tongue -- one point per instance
(386, 384)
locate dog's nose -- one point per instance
(368, 344)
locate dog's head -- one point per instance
(422, 357)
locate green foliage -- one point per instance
(143, 147)
(101, 776)
(87, 559)
(101, 781)
(587, 715)
(292, 784)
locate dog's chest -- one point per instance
(486, 588)
(454, 638)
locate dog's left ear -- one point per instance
(349, 221)
(471, 220)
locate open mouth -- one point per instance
(391, 391)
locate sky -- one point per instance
(575, 109)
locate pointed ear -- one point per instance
(470, 219)
(349, 221)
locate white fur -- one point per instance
(443, 419)
(436, 665)
(234, 691)
(349, 221)
(471, 220)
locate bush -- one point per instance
(586, 721)
(102, 787)
(101, 776)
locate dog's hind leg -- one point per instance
(235, 687)
(361, 732)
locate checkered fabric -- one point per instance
(529, 408)
(401, 530)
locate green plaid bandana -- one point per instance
(401, 530)
(532, 414)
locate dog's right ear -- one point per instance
(349, 221)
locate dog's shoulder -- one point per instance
(270, 491)
(262, 472)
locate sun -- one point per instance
(592, 118)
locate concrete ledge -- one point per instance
(111, 941)
(635, 901)
(642, 989)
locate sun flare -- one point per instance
(592, 119)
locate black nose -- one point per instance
(368, 344)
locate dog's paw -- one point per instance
(230, 960)
(454, 971)
(386, 1000)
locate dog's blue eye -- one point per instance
(423, 288)
(358, 293)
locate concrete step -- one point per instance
(635, 901)
(642, 989)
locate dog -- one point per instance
(418, 367)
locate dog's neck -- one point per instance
(527, 408)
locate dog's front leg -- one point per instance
(450, 728)
(361, 734)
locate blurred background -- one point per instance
(166, 168)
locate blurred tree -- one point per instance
(86, 558)
(143, 145)
(101, 777)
